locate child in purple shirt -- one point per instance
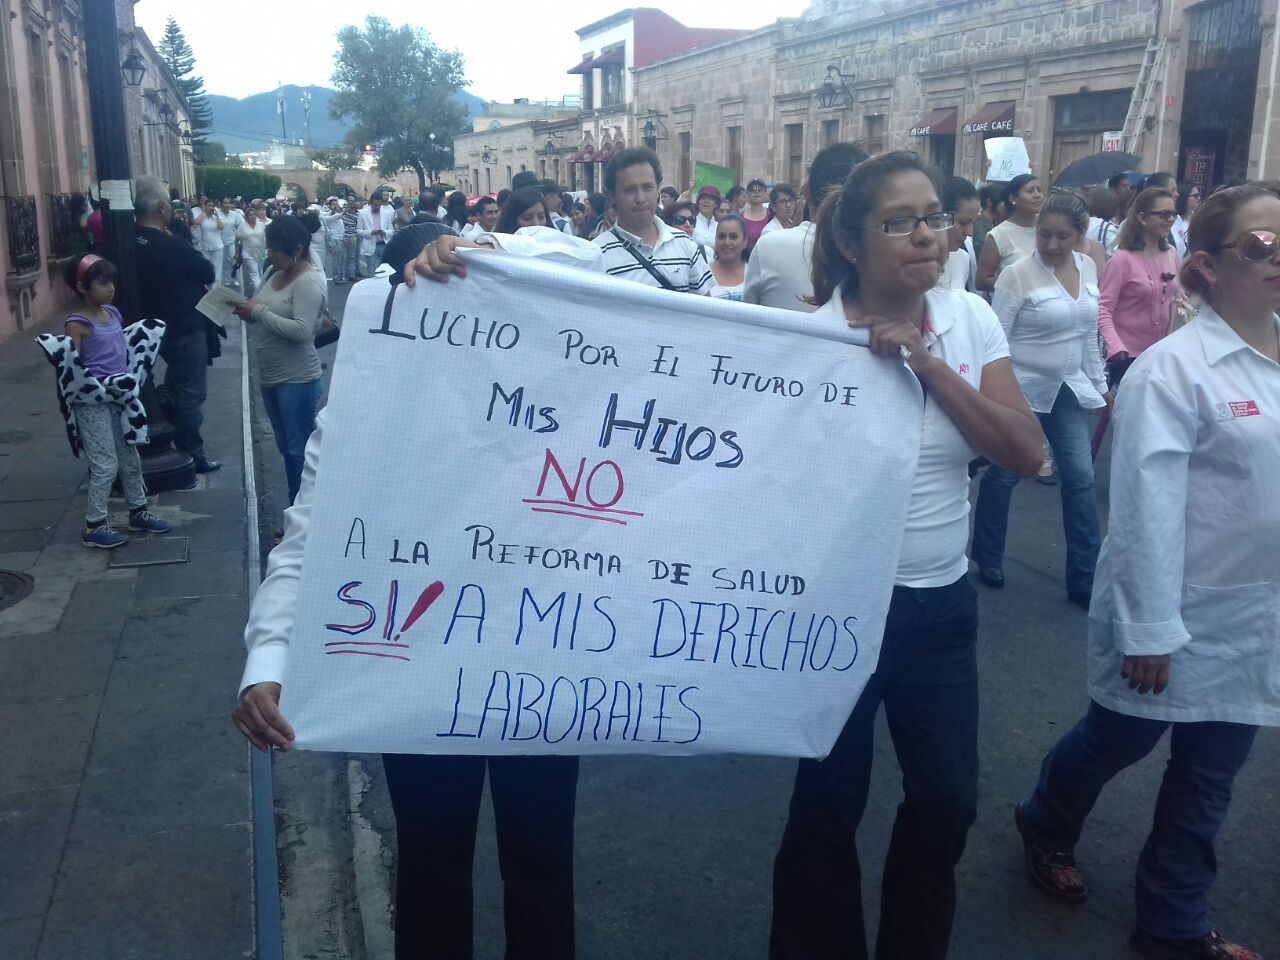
(97, 332)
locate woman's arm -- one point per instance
(77, 330)
(1007, 300)
(308, 304)
(995, 419)
(1113, 281)
(988, 264)
(270, 625)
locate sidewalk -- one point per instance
(124, 787)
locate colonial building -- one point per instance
(1184, 85)
(46, 144)
(573, 147)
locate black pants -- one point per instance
(186, 360)
(927, 679)
(437, 803)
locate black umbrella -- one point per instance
(1096, 168)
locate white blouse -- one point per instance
(1190, 566)
(1014, 243)
(1053, 339)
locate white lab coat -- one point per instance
(365, 225)
(1191, 563)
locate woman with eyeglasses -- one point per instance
(756, 213)
(877, 254)
(786, 207)
(1048, 306)
(1182, 632)
(1141, 283)
(1189, 197)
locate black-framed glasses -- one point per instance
(1169, 215)
(683, 220)
(1253, 246)
(905, 226)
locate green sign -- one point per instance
(709, 175)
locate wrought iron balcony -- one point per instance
(62, 226)
(24, 234)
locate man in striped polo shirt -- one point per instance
(640, 247)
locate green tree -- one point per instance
(335, 158)
(177, 54)
(396, 87)
(213, 152)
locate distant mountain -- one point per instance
(252, 123)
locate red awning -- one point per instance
(993, 118)
(939, 123)
(605, 155)
(616, 55)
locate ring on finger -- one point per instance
(904, 351)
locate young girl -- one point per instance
(97, 332)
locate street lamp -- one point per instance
(828, 91)
(166, 113)
(134, 69)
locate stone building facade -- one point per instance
(934, 76)
(46, 144)
(940, 76)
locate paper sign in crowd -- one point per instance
(558, 513)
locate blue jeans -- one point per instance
(1177, 865)
(370, 262)
(186, 360)
(291, 408)
(927, 679)
(1066, 427)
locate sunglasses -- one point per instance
(1162, 214)
(683, 220)
(1254, 246)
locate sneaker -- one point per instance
(103, 537)
(1053, 872)
(204, 465)
(147, 522)
(1209, 947)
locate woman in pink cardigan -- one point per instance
(1140, 283)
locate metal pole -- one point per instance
(111, 147)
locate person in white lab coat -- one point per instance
(1183, 628)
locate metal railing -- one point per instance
(23, 229)
(62, 226)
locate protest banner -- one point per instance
(1008, 156)
(559, 513)
(710, 175)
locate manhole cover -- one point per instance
(13, 587)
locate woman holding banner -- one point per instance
(876, 260)
(436, 799)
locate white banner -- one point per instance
(559, 513)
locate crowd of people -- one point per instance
(1020, 310)
(1029, 315)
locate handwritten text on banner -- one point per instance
(558, 513)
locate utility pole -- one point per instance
(284, 135)
(111, 148)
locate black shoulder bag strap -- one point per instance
(644, 261)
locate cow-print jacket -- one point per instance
(76, 385)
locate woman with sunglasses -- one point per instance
(1141, 282)
(683, 215)
(1188, 587)
(877, 253)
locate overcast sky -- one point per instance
(513, 48)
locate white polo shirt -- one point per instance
(965, 333)
(778, 273)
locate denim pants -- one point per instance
(436, 800)
(1066, 427)
(291, 408)
(1177, 865)
(927, 679)
(369, 262)
(186, 374)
